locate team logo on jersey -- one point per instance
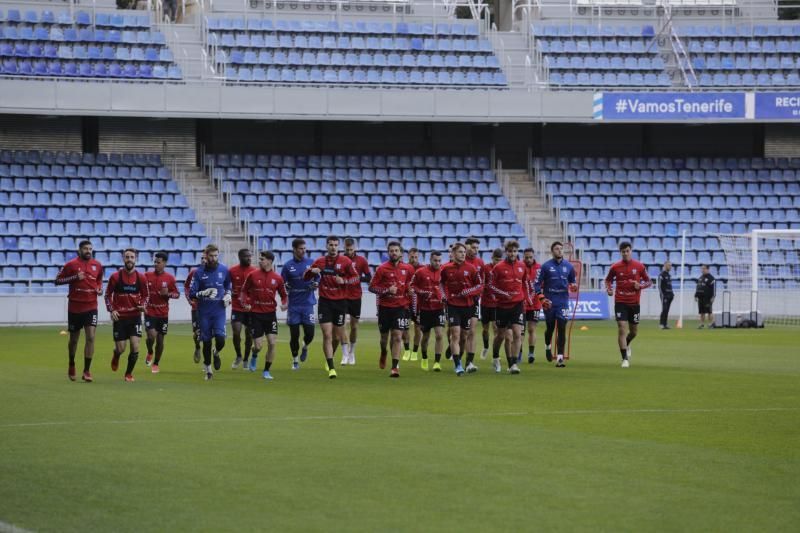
(163, 284)
(94, 267)
(219, 275)
(634, 271)
(466, 273)
(564, 269)
(273, 282)
(519, 270)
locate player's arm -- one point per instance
(284, 295)
(66, 275)
(609, 281)
(572, 279)
(111, 289)
(174, 294)
(144, 292)
(713, 285)
(476, 288)
(309, 274)
(366, 272)
(376, 284)
(645, 280)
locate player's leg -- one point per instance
(384, 329)
(308, 336)
(352, 335)
(72, 349)
(133, 355)
(272, 340)
(423, 346)
(550, 326)
(196, 335)
(150, 340)
(515, 339)
(406, 346)
(258, 334)
(236, 327)
(499, 340)
(469, 342)
(248, 341)
(159, 352)
(90, 330)
(397, 349)
(456, 322)
(485, 321)
(561, 341)
(622, 336)
(328, 333)
(438, 345)
(219, 333)
(531, 325)
(416, 341)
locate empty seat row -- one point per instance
(376, 201)
(43, 213)
(89, 69)
(238, 57)
(662, 215)
(371, 76)
(82, 35)
(581, 30)
(353, 163)
(609, 46)
(110, 53)
(58, 247)
(358, 187)
(610, 79)
(115, 199)
(353, 174)
(763, 79)
(345, 27)
(438, 234)
(773, 62)
(676, 202)
(86, 171)
(653, 164)
(78, 185)
(604, 63)
(81, 18)
(289, 41)
(774, 175)
(36, 157)
(45, 228)
(712, 46)
(774, 30)
(672, 188)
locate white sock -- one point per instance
(548, 346)
(560, 357)
(295, 359)
(353, 350)
(345, 350)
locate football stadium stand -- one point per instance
(45, 43)
(353, 53)
(52, 200)
(426, 202)
(650, 201)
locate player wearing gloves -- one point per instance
(211, 287)
(461, 283)
(556, 278)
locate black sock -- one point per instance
(330, 363)
(629, 339)
(470, 357)
(267, 364)
(384, 352)
(237, 347)
(531, 349)
(623, 353)
(207, 353)
(456, 360)
(131, 362)
(87, 363)
(395, 362)
(308, 334)
(149, 345)
(248, 345)
(294, 339)
(511, 361)
(405, 345)
(424, 354)
(157, 358)
(416, 348)
(496, 353)
(72, 359)
(447, 353)
(437, 357)
(485, 340)
(219, 343)
(116, 354)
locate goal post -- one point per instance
(763, 277)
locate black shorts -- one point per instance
(354, 308)
(459, 317)
(704, 306)
(262, 324)
(159, 324)
(125, 328)
(626, 313)
(195, 320)
(240, 316)
(476, 310)
(514, 316)
(431, 319)
(331, 311)
(532, 316)
(488, 314)
(390, 318)
(78, 321)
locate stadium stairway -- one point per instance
(220, 221)
(536, 218)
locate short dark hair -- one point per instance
(511, 244)
(298, 242)
(624, 244)
(436, 253)
(268, 255)
(331, 238)
(413, 249)
(498, 252)
(84, 243)
(349, 241)
(244, 251)
(457, 245)
(164, 256)
(394, 243)
(705, 266)
(211, 248)
(555, 243)
(126, 250)
(472, 240)
(526, 250)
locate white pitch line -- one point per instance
(313, 418)
(5, 527)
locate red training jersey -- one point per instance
(238, 275)
(533, 304)
(83, 293)
(479, 265)
(390, 274)
(462, 284)
(426, 289)
(158, 304)
(330, 267)
(509, 281)
(361, 267)
(488, 297)
(188, 285)
(260, 289)
(126, 293)
(626, 274)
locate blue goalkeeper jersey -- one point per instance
(301, 292)
(207, 278)
(554, 279)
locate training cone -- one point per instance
(62, 332)
(679, 324)
(584, 328)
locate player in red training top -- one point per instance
(511, 286)
(468, 336)
(334, 273)
(257, 298)
(84, 274)
(126, 298)
(532, 306)
(238, 315)
(390, 284)
(193, 303)
(162, 288)
(354, 293)
(489, 304)
(410, 354)
(630, 277)
(462, 284)
(426, 304)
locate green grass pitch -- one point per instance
(701, 433)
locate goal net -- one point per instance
(763, 277)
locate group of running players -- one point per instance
(507, 295)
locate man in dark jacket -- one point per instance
(665, 291)
(704, 296)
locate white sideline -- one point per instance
(5, 527)
(416, 416)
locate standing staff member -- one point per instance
(704, 296)
(665, 291)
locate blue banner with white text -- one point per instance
(668, 106)
(778, 105)
(592, 305)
